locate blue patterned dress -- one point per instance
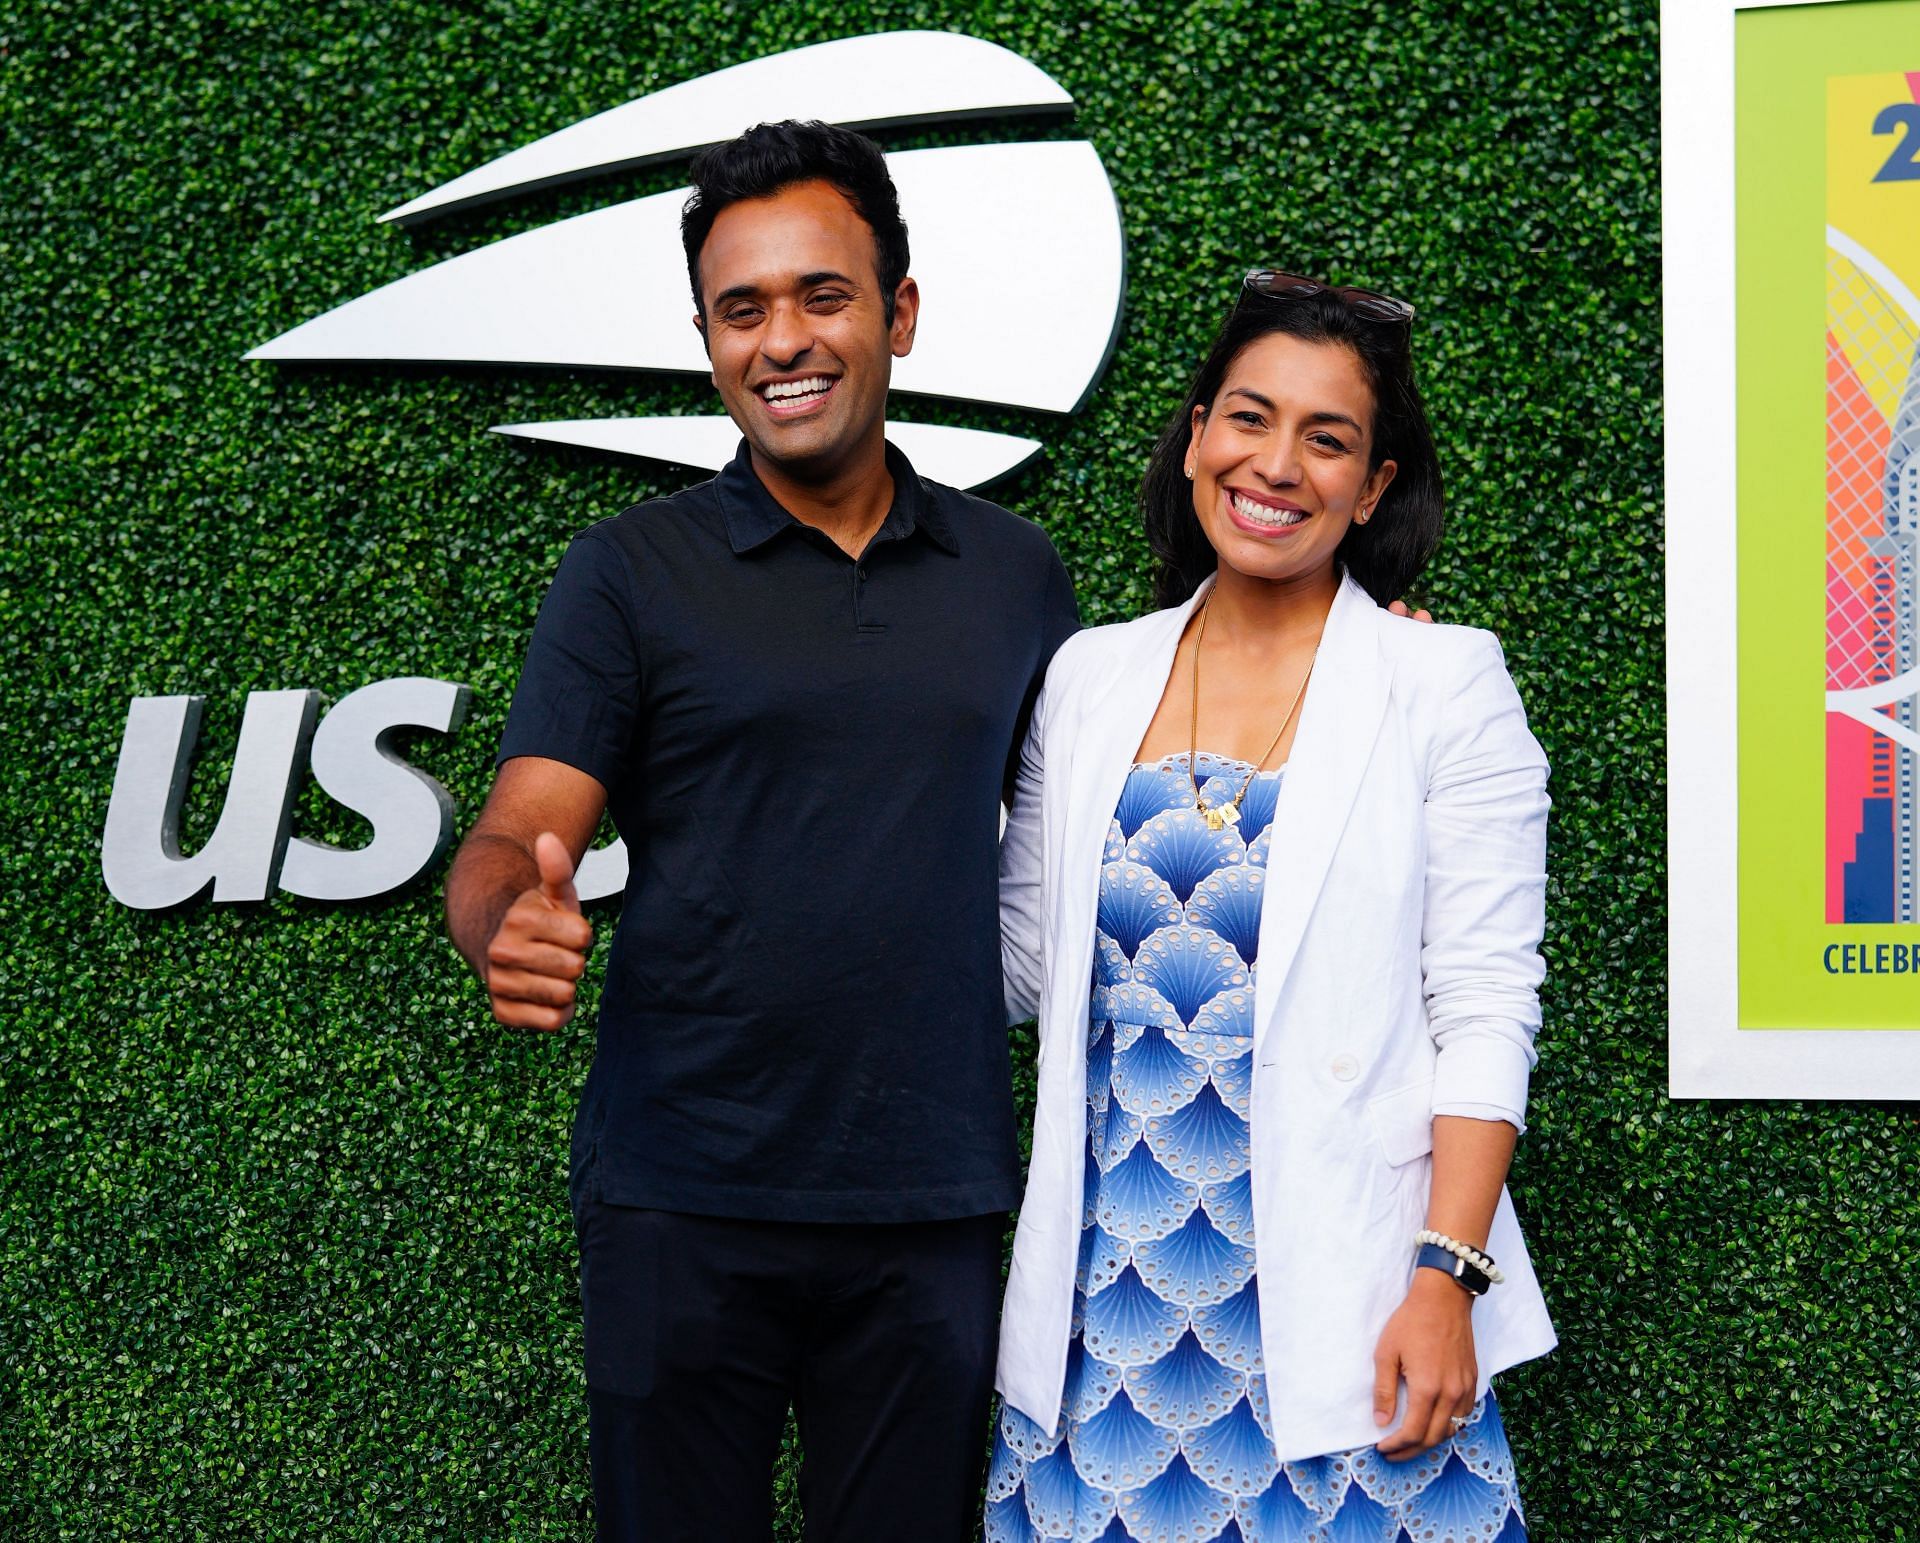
(1164, 1435)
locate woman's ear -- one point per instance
(1194, 426)
(1374, 490)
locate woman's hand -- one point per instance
(1429, 1342)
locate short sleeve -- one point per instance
(579, 695)
(1061, 610)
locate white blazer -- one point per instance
(1397, 973)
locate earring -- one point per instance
(1189, 474)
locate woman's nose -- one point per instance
(1279, 464)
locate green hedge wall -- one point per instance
(284, 1250)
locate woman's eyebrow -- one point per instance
(1320, 417)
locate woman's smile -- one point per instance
(1262, 514)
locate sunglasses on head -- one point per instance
(1274, 285)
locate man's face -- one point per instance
(796, 325)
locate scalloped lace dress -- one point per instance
(1164, 1435)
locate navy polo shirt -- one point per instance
(805, 753)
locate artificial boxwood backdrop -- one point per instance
(284, 1249)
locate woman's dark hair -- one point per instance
(772, 156)
(1385, 554)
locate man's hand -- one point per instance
(512, 910)
(540, 948)
(1399, 608)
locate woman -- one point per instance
(1274, 881)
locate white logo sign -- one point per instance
(1018, 250)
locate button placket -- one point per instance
(861, 573)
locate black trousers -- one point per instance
(702, 1330)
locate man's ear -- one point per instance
(700, 326)
(906, 318)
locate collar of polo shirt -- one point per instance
(754, 517)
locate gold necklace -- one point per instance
(1229, 814)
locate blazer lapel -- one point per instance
(1339, 723)
(1108, 732)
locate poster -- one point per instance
(1794, 582)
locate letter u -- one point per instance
(140, 854)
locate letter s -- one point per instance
(411, 814)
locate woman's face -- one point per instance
(1280, 458)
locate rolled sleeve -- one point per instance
(1485, 910)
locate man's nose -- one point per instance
(787, 337)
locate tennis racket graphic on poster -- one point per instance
(1873, 499)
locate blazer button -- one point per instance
(1345, 1068)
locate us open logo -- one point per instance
(1019, 253)
(1018, 250)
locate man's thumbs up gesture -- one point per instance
(540, 948)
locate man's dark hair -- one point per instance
(1386, 553)
(773, 156)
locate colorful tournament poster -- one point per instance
(1827, 389)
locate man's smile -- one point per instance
(795, 397)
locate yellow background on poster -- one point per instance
(1878, 211)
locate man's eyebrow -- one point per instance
(1319, 417)
(805, 281)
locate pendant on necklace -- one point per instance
(1217, 819)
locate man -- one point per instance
(799, 687)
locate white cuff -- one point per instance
(1480, 1066)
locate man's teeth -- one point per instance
(1266, 514)
(788, 390)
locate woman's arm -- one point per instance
(1486, 822)
(1429, 1339)
(1020, 864)
(1486, 884)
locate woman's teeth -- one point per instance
(1266, 514)
(797, 393)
